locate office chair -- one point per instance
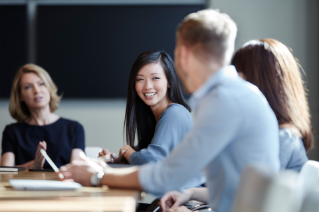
(262, 190)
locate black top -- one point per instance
(61, 137)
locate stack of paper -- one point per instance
(8, 169)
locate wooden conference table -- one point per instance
(85, 199)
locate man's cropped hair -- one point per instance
(209, 32)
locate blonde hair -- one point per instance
(19, 110)
(214, 32)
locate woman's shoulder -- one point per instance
(176, 112)
(289, 140)
(287, 134)
(69, 122)
(14, 126)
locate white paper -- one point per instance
(43, 185)
(8, 169)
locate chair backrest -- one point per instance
(311, 202)
(284, 193)
(262, 190)
(251, 191)
(92, 152)
(310, 173)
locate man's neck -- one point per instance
(204, 72)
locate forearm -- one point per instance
(128, 153)
(152, 153)
(28, 165)
(8, 159)
(75, 154)
(199, 194)
(121, 178)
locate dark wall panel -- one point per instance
(13, 45)
(89, 50)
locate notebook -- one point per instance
(8, 169)
(12, 168)
(43, 185)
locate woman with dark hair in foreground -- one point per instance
(268, 64)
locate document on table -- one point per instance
(43, 185)
(11, 168)
(8, 169)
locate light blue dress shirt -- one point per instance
(233, 126)
(292, 150)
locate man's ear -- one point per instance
(184, 58)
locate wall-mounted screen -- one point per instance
(89, 49)
(13, 44)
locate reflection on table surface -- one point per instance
(85, 199)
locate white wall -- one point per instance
(284, 20)
(102, 120)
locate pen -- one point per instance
(54, 167)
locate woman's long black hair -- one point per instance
(138, 116)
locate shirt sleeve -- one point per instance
(79, 137)
(298, 157)
(292, 151)
(169, 132)
(218, 121)
(7, 141)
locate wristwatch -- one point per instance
(124, 150)
(96, 178)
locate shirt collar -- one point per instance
(211, 82)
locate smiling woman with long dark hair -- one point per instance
(155, 111)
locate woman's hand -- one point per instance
(111, 155)
(39, 159)
(174, 199)
(121, 158)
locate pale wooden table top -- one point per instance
(85, 199)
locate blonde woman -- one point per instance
(33, 102)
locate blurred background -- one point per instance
(89, 46)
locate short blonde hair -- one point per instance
(214, 32)
(19, 110)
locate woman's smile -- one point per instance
(150, 95)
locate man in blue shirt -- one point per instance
(233, 123)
